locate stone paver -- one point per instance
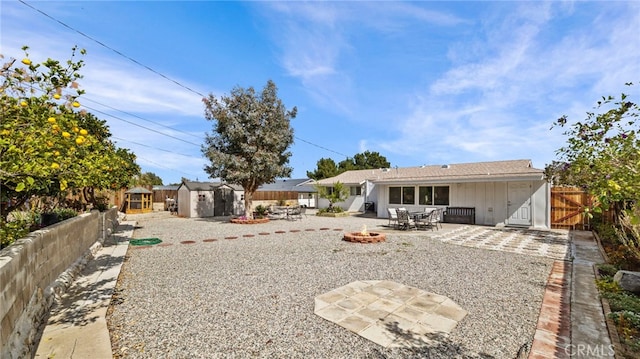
(389, 313)
(552, 244)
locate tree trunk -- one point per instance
(248, 203)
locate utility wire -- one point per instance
(114, 50)
(155, 148)
(162, 166)
(137, 125)
(153, 71)
(141, 118)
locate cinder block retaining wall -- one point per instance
(37, 268)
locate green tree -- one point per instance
(364, 161)
(335, 194)
(326, 168)
(602, 154)
(146, 179)
(48, 145)
(249, 144)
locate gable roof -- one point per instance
(207, 186)
(289, 184)
(462, 172)
(139, 190)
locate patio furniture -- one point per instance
(393, 217)
(405, 222)
(429, 220)
(464, 215)
(297, 213)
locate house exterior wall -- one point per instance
(490, 200)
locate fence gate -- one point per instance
(567, 208)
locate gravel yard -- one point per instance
(253, 296)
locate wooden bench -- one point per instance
(464, 215)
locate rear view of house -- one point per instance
(509, 193)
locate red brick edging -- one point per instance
(552, 338)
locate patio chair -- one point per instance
(429, 221)
(298, 212)
(405, 222)
(393, 217)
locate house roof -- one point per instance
(463, 172)
(208, 186)
(289, 184)
(165, 188)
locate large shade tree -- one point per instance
(250, 140)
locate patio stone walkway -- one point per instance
(389, 313)
(552, 244)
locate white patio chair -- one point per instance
(405, 221)
(393, 217)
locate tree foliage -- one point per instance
(327, 168)
(249, 144)
(146, 179)
(48, 145)
(602, 154)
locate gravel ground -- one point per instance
(254, 296)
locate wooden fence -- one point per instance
(275, 195)
(568, 206)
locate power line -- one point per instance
(153, 71)
(155, 148)
(114, 50)
(161, 166)
(137, 125)
(141, 118)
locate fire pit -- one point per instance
(364, 237)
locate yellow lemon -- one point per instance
(66, 134)
(75, 104)
(49, 143)
(23, 103)
(26, 61)
(51, 120)
(57, 153)
(56, 96)
(80, 140)
(55, 127)
(76, 129)
(83, 132)
(55, 166)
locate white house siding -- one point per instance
(489, 199)
(201, 208)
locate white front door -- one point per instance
(519, 203)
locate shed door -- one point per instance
(223, 202)
(519, 203)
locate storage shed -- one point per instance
(209, 199)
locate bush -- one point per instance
(334, 209)
(607, 270)
(17, 228)
(65, 213)
(260, 211)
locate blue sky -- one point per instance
(419, 82)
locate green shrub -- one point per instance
(65, 213)
(623, 301)
(333, 209)
(260, 211)
(607, 270)
(13, 230)
(608, 286)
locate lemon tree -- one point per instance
(48, 143)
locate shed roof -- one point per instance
(208, 186)
(477, 171)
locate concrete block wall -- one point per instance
(31, 272)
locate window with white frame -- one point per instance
(433, 195)
(356, 191)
